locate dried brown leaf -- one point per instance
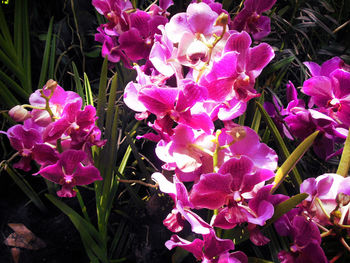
(23, 237)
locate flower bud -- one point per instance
(343, 199)
(19, 113)
(222, 20)
(51, 85)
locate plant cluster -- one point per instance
(197, 74)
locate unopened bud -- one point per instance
(19, 113)
(51, 85)
(222, 20)
(343, 199)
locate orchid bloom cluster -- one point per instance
(328, 107)
(200, 71)
(326, 208)
(198, 68)
(129, 34)
(58, 135)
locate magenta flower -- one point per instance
(232, 77)
(138, 40)
(72, 120)
(326, 68)
(326, 188)
(210, 250)
(238, 137)
(235, 179)
(29, 144)
(250, 19)
(332, 93)
(69, 172)
(60, 98)
(302, 122)
(181, 212)
(187, 149)
(306, 238)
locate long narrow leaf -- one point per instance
(7, 98)
(26, 46)
(26, 188)
(46, 57)
(18, 33)
(344, 164)
(14, 86)
(292, 160)
(78, 86)
(51, 74)
(101, 100)
(88, 92)
(15, 68)
(278, 139)
(4, 28)
(257, 116)
(286, 206)
(88, 233)
(258, 260)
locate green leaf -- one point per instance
(292, 160)
(78, 86)
(17, 32)
(257, 115)
(26, 188)
(286, 206)
(7, 98)
(278, 65)
(344, 164)
(46, 57)
(258, 260)
(88, 92)
(101, 100)
(51, 73)
(11, 65)
(89, 235)
(26, 46)
(278, 138)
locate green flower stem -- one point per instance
(47, 102)
(322, 208)
(32, 107)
